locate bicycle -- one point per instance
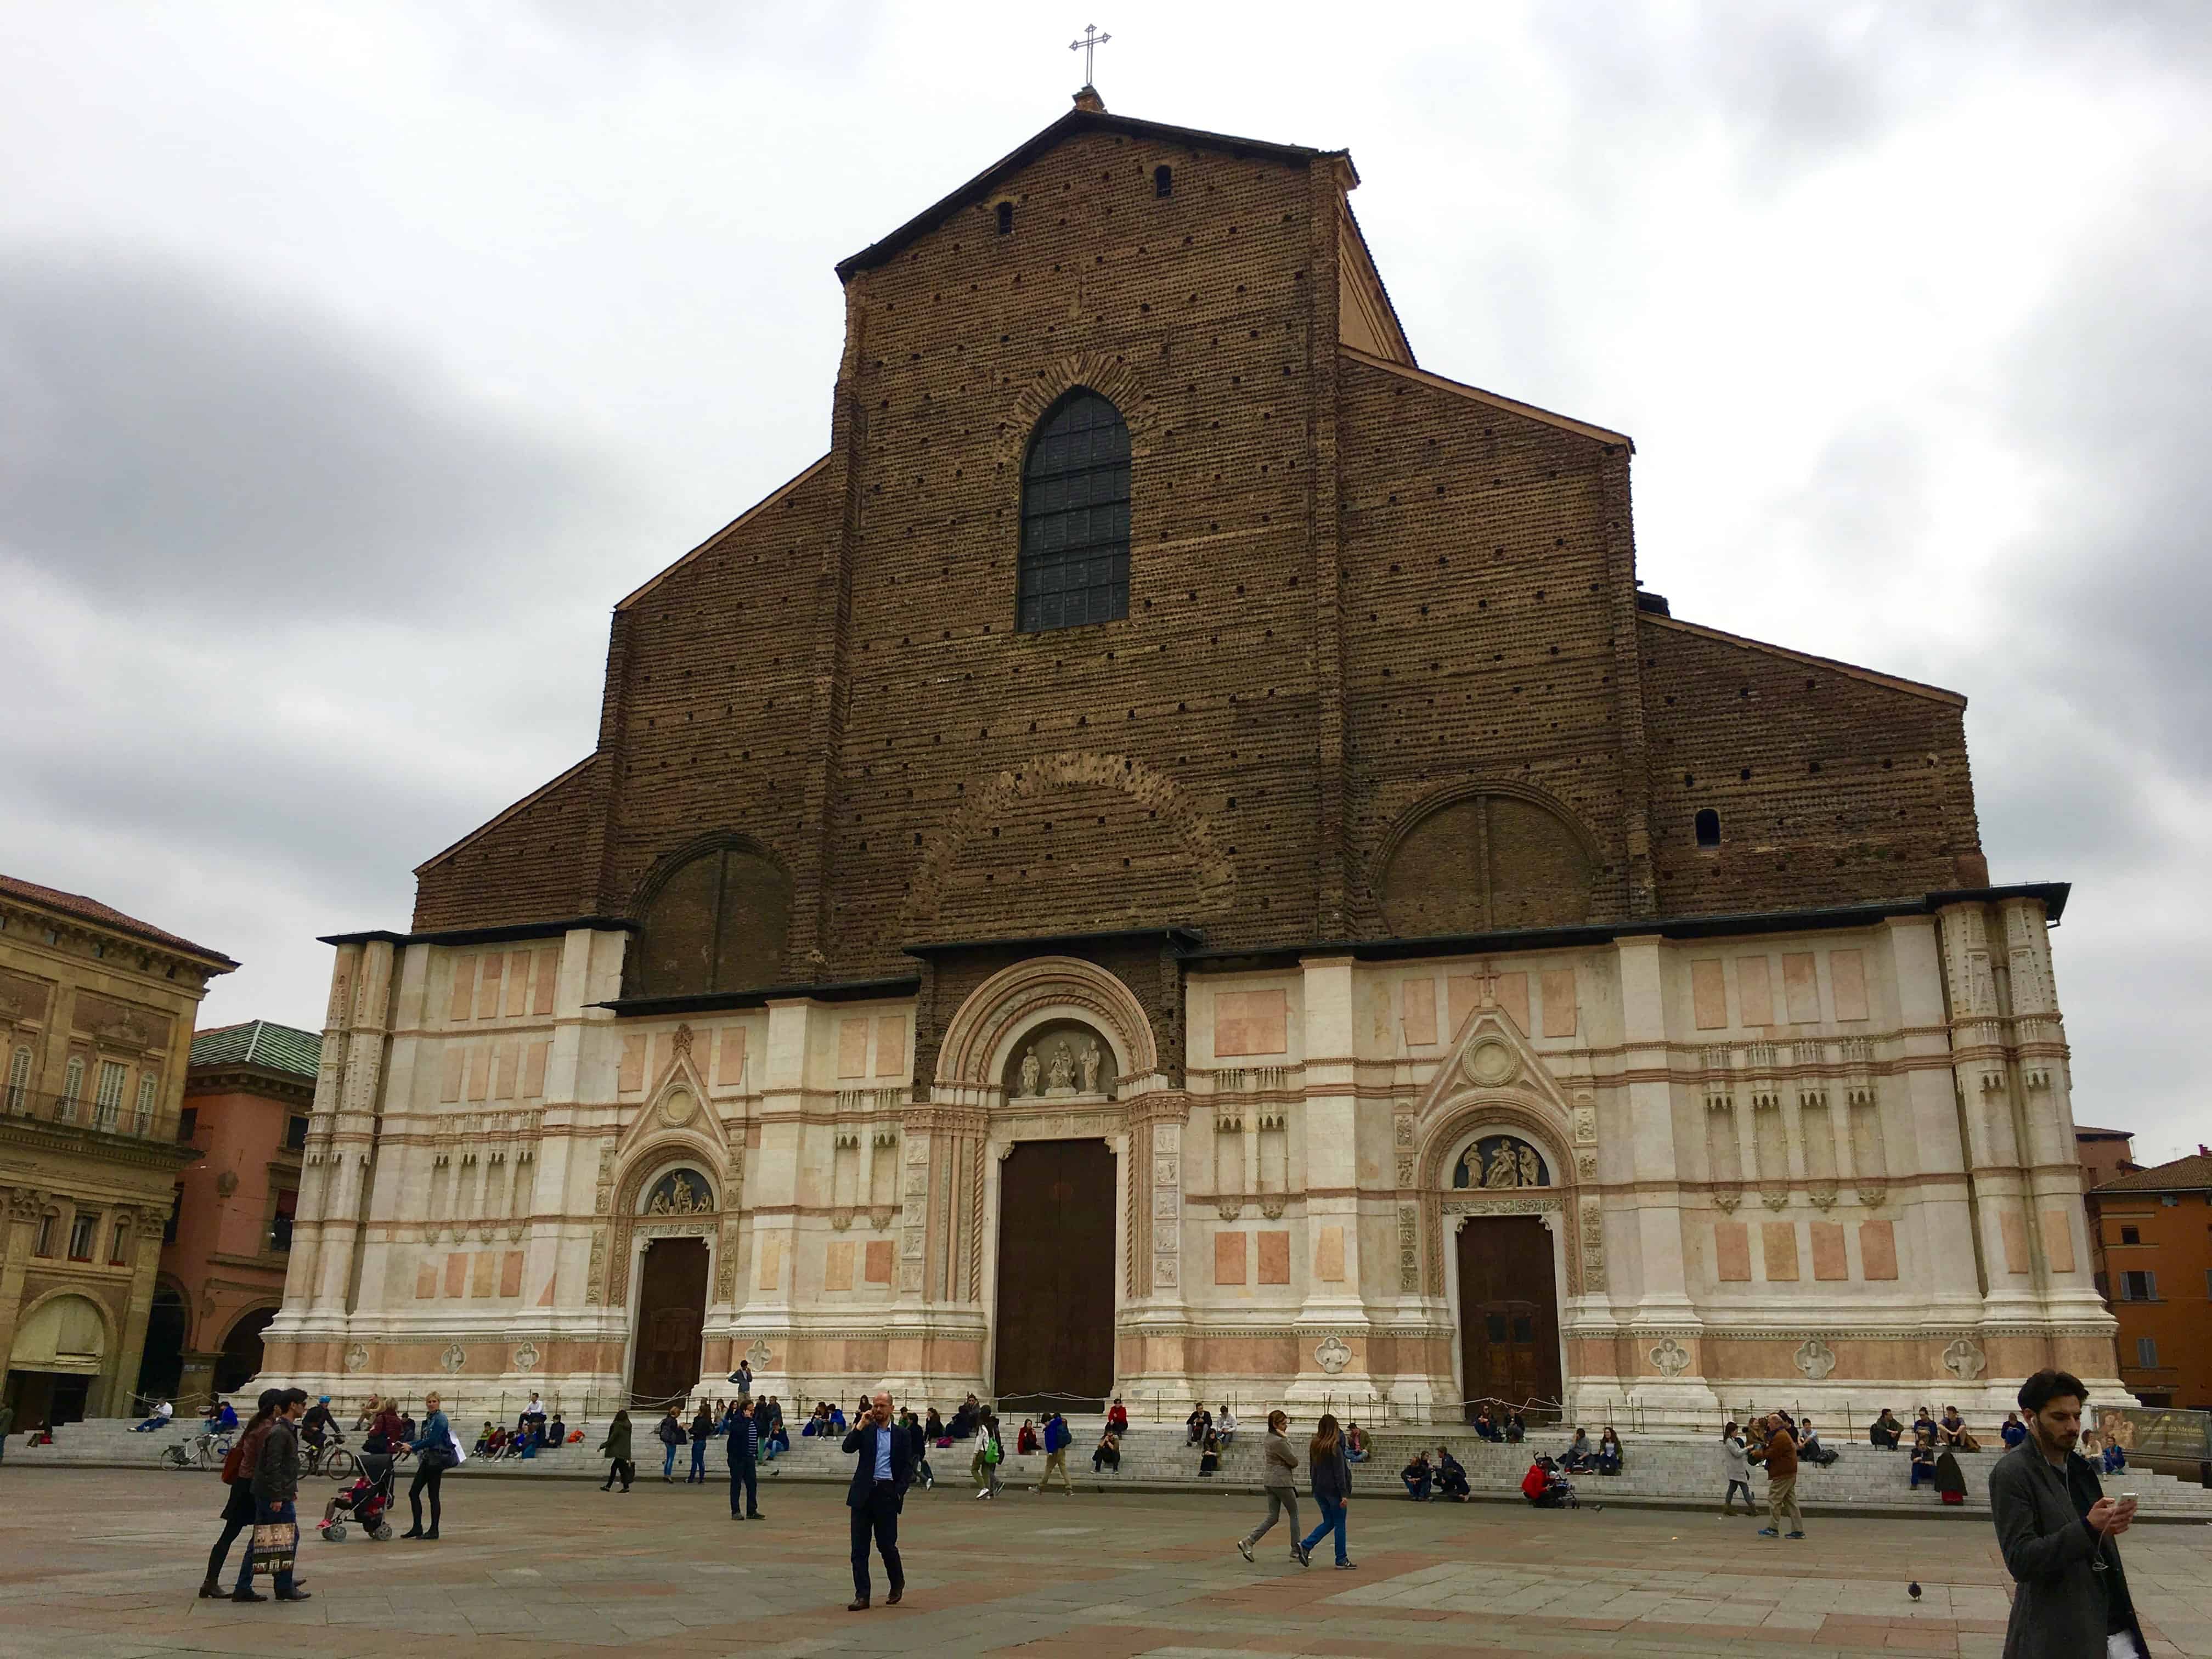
(331, 1458)
(204, 1450)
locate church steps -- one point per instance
(1664, 1473)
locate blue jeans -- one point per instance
(698, 1460)
(1332, 1521)
(1416, 1486)
(266, 1514)
(668, 1463)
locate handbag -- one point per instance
(234, 1464)
(274, 1543)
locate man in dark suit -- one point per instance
(881, 1474)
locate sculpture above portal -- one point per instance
(1064, 1060)
(1500, 1164)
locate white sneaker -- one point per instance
(982, 1492)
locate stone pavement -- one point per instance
(100, 1564)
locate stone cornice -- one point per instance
(72, 1140)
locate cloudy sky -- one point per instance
(354, 360)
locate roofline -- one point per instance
(486, 935)
(1359, 236)
(493, 823)
(1720, 924)
(1895, 683)
(758, 507)
(144, 933)
(707, 1002)
(1495, 400)
(1182, 937)
(1076, 120)
(2115, 1188)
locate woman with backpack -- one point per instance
(238, 1507)
(616, 1447)
(1329, 1466)
(989, 1453)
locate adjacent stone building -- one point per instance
(1178, 857)
(96, 1014)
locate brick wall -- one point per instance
(1831, 786)
(1354, 591)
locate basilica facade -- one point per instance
(1178, 859)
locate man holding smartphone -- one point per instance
(881, 1474)
(2056, 1530)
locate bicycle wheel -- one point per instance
(173, 1457)
(341, 1465)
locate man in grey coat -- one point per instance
(2055, 1529)
(1278, 1476)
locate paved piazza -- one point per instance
(99, 1563)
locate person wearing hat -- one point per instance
(319, 1426)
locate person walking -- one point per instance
(1328, 1467)
(1056, 1438)
(276, 1492)
(743, 1450)
(670, 1432)
(432, 1445)
(1779, 1454)
(2056, 1529)
(703, 1431)
(616, 1448)
(238, 1506)
(983, 1466)
(882, 1471)
(1279, 1479)
(1735, 1463)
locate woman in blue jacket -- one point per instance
(1330, 1470)
(433, 1446)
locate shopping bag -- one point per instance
(459, 1456)
(274, 1543)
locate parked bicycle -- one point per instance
(204, 1450)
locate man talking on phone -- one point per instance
(881, 1474)
(2058, 1530)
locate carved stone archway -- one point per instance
(1475, 1115)
(980, 1037)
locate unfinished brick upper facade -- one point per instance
(1355, 589)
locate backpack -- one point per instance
(992, 1452)
(234, 1462)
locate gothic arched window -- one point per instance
(715, 919)
(1075, 517)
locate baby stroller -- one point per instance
(366, 1502)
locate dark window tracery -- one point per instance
(1075, 517)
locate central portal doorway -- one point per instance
(672, 1311)
(1056, 1319)
(1509, 1315)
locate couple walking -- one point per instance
(1330, 1469)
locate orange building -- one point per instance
(248, 1093)
(2153, 1233)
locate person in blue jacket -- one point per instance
(433, 1446)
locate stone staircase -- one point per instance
(1667, 1471)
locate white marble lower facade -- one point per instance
(1831, 1165)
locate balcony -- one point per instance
(86, 1122)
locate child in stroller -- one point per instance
(1545, 1487)
(367, 1501)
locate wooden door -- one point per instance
(671, 1311)
(1054, 1329)
(1509, 1313)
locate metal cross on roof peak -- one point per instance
(1087, 45)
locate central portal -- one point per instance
(1056, 1319)
(672, 1311)
(1509, 1315)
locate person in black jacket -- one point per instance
(881, 1473)
(276, 1489)
(703, 1431)
(744, 1449)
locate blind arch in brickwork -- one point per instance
(1485, 857)
(714, 915)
